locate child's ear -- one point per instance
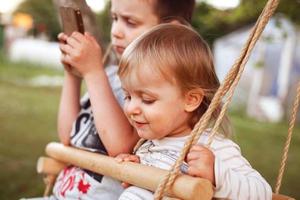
(193, 99)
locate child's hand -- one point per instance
(62, 37)
(81, 52)
(127, 158)
(201, 162)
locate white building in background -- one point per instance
(36, 51)
(268, 85)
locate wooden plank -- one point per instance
(49, 166)
(184, 187)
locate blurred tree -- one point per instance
(212, 23)
(103, 19)
(44, 16)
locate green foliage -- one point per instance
(44, 15)
(212, 23)
(104, 22)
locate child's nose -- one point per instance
(133, 108)
(116, 30)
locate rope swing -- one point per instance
(228, 86)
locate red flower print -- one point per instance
(82, 187)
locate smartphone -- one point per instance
(71, 20)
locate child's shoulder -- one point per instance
(111, 70)
(219, 142)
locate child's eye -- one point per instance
(127, 98)
(114, 17)
(131, 22)
(148, 101)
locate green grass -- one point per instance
(28, 123)
(262, 144)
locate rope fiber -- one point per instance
(288, 140)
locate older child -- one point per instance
(169, 81)
(98, 123)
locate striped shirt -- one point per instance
(234, 176)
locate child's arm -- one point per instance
(84, 54)
(234, 177)
(69, 102)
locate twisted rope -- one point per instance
(288, 140)
(229, 84)
(49, 181)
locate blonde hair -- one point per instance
(181, 56)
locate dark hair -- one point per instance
(177, 9)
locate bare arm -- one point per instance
(69, 101)
(69, 107)
(113, 127)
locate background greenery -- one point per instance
(28, 123)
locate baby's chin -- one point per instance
(147, 136)
(118, 55)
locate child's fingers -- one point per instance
(127, 158)
(72, 42)
(78, 36)
(62, 37)
(196, 151)
(125, 185)
(66, 59)
(65, 49)
(132, 158)
(199, 147)
(120, 158)
(193, 171)
(201, 169)
(193, 155)
(90, 37)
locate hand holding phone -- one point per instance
(71, 21)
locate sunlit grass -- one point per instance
(27, 124)
(262, 144)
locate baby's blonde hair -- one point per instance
(181, 56)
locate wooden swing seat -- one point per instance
(184, 187)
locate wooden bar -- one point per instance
(49, 166)
(184, 187)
